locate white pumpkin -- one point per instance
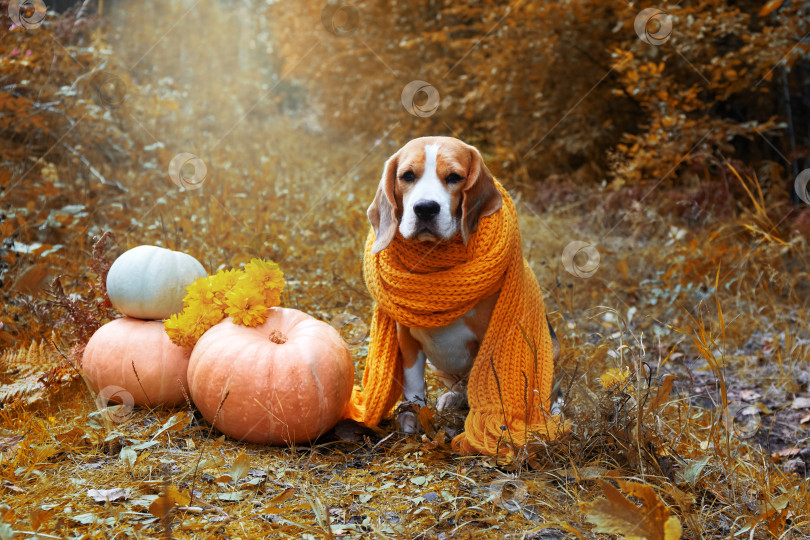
(149, 282)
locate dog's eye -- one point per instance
(408, 176)
(453, 178)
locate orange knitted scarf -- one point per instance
(425, 285)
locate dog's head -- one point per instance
(430, 189)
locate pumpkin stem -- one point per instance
(277, 337)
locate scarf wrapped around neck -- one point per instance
(426, 285)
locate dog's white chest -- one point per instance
(450, 349)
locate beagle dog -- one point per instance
(432, 189)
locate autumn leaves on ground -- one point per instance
(669, 155)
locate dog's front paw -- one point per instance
(452, 400)
(407, 422)
(407, 417)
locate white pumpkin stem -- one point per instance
(277, 337)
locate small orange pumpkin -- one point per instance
(286, 381)
(138, 356)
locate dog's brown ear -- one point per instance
(383, 210)
(480, 197)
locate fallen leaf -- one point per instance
(211, 462)
(426, 416)
(39, 516)
(161, 507)
(11, 487)
(10, 443)
(775, 512)
(437, 441)
(800, 403)
(129, 457)
(787, 452)
(32, 279)
(143, 501)
(175, 423)
(663, 392)
(283, 496)
(691, 473)
(73, 436)
(108, 495)
(418, 480)
(770, 7)
(232, 496)
(615, 514)
(144, 445)
(240, 467)
(169, 499)
(92, 519)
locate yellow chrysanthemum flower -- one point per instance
(222, 283)
(199, 293)
(272, 297)
(265, 273)
(191, 324)
(253, 316)
(176, 330)
(247, 287)
(245, 295)
(246, 309)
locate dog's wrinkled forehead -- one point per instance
(451, 155)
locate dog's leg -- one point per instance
(413, 392)
(456, 395)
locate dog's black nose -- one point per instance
(426, 210)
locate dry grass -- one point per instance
(704, 324)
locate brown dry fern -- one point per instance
(27, 375)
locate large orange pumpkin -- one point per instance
(286, 381)
(138, 356)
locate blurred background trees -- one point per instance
(545, 88)
(567, 87)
